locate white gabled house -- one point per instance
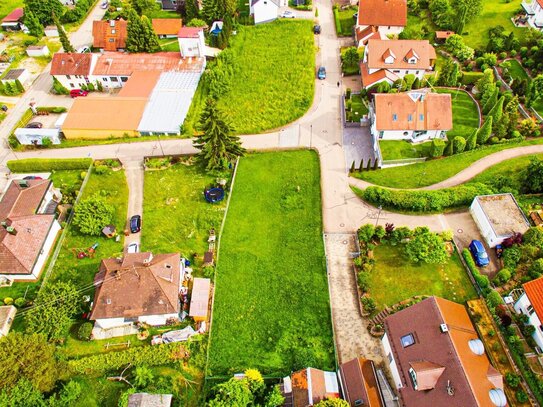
(265, 11)
(534, 13)
(530, 303)
(191, 42)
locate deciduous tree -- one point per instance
(533, 181)
(44, 10)
(351, 58)
(144, 6)
(32, 23)
(92, 214)
(426, 247)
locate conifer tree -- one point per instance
(471, 141)
(64, 40)
(32, 23)
(485, 131)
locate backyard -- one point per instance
(358, 108)
(271, 308)
(395, 278)
(465, 114)
(516, 70)
(346, 21)
(401, 149)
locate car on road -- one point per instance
(104, 5)
(83, 50)
(78, 92)
(133, 248)
(34, 125)
(479, 253)
(321, 73)
(288, 14)
(135, 223)
(316, 29)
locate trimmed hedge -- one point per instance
(423, 200)
(143, 355)
(338, 23)
(52, 109)
(482, 281)
(470, 78)
(49, 164)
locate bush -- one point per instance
(459, 144)
(494, 299)
(513, 380)
(48, 164)
(437, 148)
(337, 21)
(101, 170)
(20, 302)
(521, 396)
(368, 304)
(84, 331)
(511, 257)
(482, 281)
(366, 232)
(502, 277)
(8, 300)
(362, 279)
(52, 109)
(470, 78)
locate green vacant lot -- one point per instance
(175, 214)
(465, 114)
(400, 149)
(271, 307)
(395, 278)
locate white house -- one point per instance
(7, 313)
(154, 283)
(530, 303)
(29, 136)
(37, 51)
(265, 11)
(498, 217)
(28, 228)
(534, 13)
(20, 74)
(191, 42)
(73, 70)
(392, 60)
(379, 19)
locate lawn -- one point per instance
(395, 278)
(176, 216)
(169, 45)
(465, 114)
(159, 13)
(433, 171)
(7, 6)
(347, 21)
(81, 271)
(358, 108)
(401, 149)
(516, 70)
(494, 13)
(271, 307)
(538, 106)
(273, 76)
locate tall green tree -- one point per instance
(54, 309)
(63, 37)
(218, 147)
(448, 76)
(32, 23)
(471, 141)
(217, 9)
(44, 10)
(511, 112)
(146, 7)
(23, 394)
(491, 100)
(192, 10)
(496, 112)
(140, 34)
(535, 91)
(484, 131)
(351, 58)
(92, 214)
(28, 357)
(533, 181)
(150, 38)
(486, 85)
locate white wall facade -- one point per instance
(523, 306)
(42, 52)
(535, 20)
(192, 47)
(28, 136)
(483, 224)
(157, 320)
(264, 11)
(391, 361)
(47, 246)
(72, 81)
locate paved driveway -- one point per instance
(358, 146)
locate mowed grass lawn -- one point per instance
(494, 12)
(273, 75)
(271, 307)
(512, 170)
(176, 217)
(517, 71)
(465, 114)
(400, 149)
(433, 171)
(395, 278)
(7, 6)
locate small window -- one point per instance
(394, 117)
(407, 340)
(113, 79)
(72, 85)
(396, 71)
(124, 78)
(389, 358)
(541, 328)
(111, 40)
(113, 31)
(530, 310)
(416, 72)
(104, 78)
(409, 117)
(421, 116)
(68, 77)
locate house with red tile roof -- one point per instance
(530, 303)
(73, 70)
(378, 19)
(13, 21)
(437, 359)
(109, 35)
(359, 383)
(309, 386)
(28, 228)
(392, 60)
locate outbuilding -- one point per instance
(265, 11)
(498, 217)
(7, 314)
(13, 21)
(199, 301)
(37, 51)
(51, 31)
(13, 75)
(30, 136)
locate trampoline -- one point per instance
(213, 195)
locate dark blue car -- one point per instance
(479, 253)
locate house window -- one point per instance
(124, 78)
(113, 31)
(530, 310)
(72, 85)
(396, 71)
(390, 358)
(113, 79)
(111, 40)
(416, 72)
(421, 116)
(389, 27)
(68, 77)
(407, 340)
(541, 327)
(104, 78)
(381, 134)
(394, 117)
(409, 117)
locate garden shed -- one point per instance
(109, 231)
(28, 136)
(7, 314)
(16, 74)
(51, 31)
(199, 302)
(37, 51)
(498, 217)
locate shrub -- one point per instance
(470, 78)
(511, 257)
(52, 109)
(84, 331)
(494, 299)
(368, 304)
(521, 396)
(362, 279)
(101, 170)
(366, 232)
(8, 300)
(20, 302)
(459, 144)
(379, 232)
(534, 236)
(48, 164)
(437, 149)
(502, 277)
(482, 281)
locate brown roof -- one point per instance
(534, 291)
(16, 15)
(309, 387)
(140, 84)
(109, 35)
(466, 372)
(189, 32)
(382, 12)
(134, 287)
(18, 207)
(415, 110)
(199, 300)
(369, 79)
(378, 50)
(117, 63)
(167, 26)
(443, 35)
(428, 374)
(71, 64)
(98, 113)
(360, 383)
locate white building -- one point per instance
(29, 136)
(154, 283)
(265, 11)
(498, 217)
(534, 13)
(379, 19)
(191, 42)
(37, 51)
(73, 70)
(530, 303)
(392, 60)
(51, 31)
(20, 74)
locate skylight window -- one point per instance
(394, 117)
(407, 340)
(409, 117)
(421, 116)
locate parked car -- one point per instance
(104, 5)
(32, 177)
(288, 14)
(133, 248)
(135, 223)
(316, 29)
(34, 125)
(4, 108)
(321, 73)
(479, 253)
(78, 92)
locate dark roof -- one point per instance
(71, 63)
(168, 5)
(14, 16)
(360, 383)
(13, 74)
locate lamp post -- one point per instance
(378, 214)
(311, 136)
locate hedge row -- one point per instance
(338, 23)
(142, 355)
(423, 200)
(49, 164)
(482, 281)
(52, 109)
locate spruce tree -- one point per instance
(496, 112)
(485, 131)
(192, 10)
(218, 147)
(66, 44)
(2, 88)
(491, 101)
(32, 23)
(511, 111)
(134, 32)
(471, 141)
(149, 35)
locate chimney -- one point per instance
(23, 183)
(11, 230)
(149, 259)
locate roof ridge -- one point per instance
(157, 277)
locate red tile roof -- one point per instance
(382, 12)
(534, 291)
(167, 26)
(109, 35)
(378, 50)
(360, 383)
(71, 64)
(371, 79)
(118, 63)
(445, 34)
(189, 32)
(14, 16)
(309, 387)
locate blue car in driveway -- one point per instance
(479, 253)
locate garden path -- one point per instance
(133, 170)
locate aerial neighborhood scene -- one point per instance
(271, 203)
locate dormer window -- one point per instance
(407, 340)
(411, 57)
(394, 117)
(389, 57)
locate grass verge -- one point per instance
(401, 149)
